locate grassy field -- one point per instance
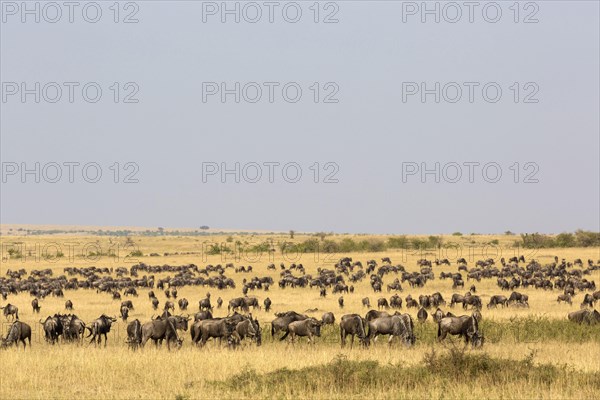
(529, 353)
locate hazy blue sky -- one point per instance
(367, 58)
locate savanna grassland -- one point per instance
(529, 352)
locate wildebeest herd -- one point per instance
(233, 329)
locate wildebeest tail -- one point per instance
(286, 335)
(89, 329)
(439, 329)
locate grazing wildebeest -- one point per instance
(267, 304)
(382, 303)
(283, 320)
(154, 303)
(10, 310)
(341, 301)
(213, 328)
(398, 325)
(422, 315)
(366, 302)
(374, 314)
(456, 298)
(328, 319)
(584, 316)
(36, 305)
(564, 297)
(99, 327)
(473, 300)
(249, 328)
(130, 291)
(18, 331)
(465, 326)
(52, 328)
(250, 302)
(353, 324)
(519, 298)
(306, 328)
(68, 305)
(124, 313)
(233, 305)
(116, 296)
(160, 329)
(498, 299)
(134, 334)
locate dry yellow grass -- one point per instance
(66, 371)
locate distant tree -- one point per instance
(204, 227)
(508, 233)
(292, 234)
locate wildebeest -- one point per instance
(398, 325)
(584, 316)
(366, 302)
(68, 305)
(204, 304)
(134, 334)
(465, 326)
(283, 320)
(10, 310)
(99, 327)
(328, 319)
(73, 328)
(438, 315)
(374, 314)
(124, 313)
(382, 303)
(219, 302)
(18, 331)
(353, 325)
(249, 328)
(588, 301)
(183, 304)
(565, 298)
(160, 329)
(154, 303)
(128, 304)
(169, 305)
(519, 298)
(309, 327)
(498, 299)
(213, 328)
(422, 315)
(396, 301)
(35, 305)
(52, 328)
(267, 304)
(341, 301)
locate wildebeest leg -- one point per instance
(390, 339)
(105, 339)
(351, 341)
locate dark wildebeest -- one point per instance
(124, 313)
(473, 301)
(174, 293)
(134, 334)
(116, 296)
(249, 328)
(183, 304)
(154, 303)
(328, 319)
(283, 320)
(128, 304)
(456, 298)
(213, 328)
(498, 299)
(10, 310)
(219, 302)
(341, 301)
(353, 324)
(382, 303)
(36, 305)
(465, 326)
(160, 329)
(422, 315)
(18, 332)
(204, 304)
(519, 298)
(202, 315)
(585, 316)
(438, 315)
(564, 297)
(267, 304)
(151, 294)
(168, 293)
(250, 302)
(323, 292)
(366, 302)
(99, 327)
(68, 305)
(169, 305)
(52, 329)
(374, 314)
(398, 325)
(73, 329)
(588, 301)
(307, 328)
(396, 301)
